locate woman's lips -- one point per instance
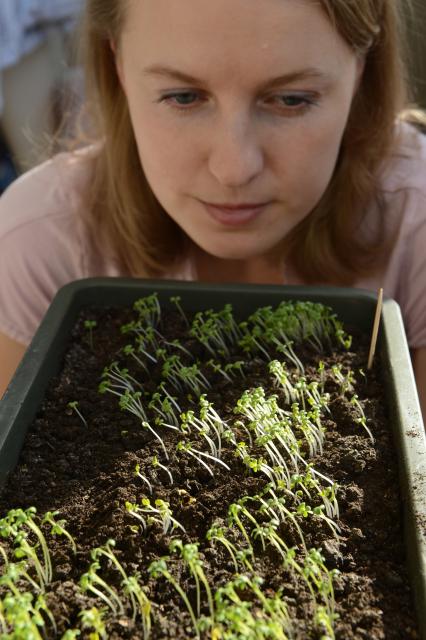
(234, 215)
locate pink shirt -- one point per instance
(44, 243)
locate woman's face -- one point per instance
(238, 108)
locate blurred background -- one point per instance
(40, 80)
(416, 53)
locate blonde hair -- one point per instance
(323, 247)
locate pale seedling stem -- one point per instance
(156, 463)
(159, 567)
(74, 405)
(90, 325)
(142, 477)
(176, 301)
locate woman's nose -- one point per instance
(235, 155)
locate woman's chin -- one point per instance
(231, 253)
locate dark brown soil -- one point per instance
(87, 473)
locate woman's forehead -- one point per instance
(222, 18)
(233, 34)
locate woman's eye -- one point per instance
(180, 99)
(294, 102)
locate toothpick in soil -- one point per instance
(375, 328)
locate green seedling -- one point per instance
(257, 464)
(216, 330)
(217, 368)
(156, 463)
(345, 381)
(97, 586)
(183, 377)
(131, 401)
(147, 344)
(190, 423)
(237, 428)
(275, 508)
(166, 410)
(307, 423)
(243, 619)
(187, 447)
(362, 419)
(235, 511)
(190, 556)
(94, 619)
(305, 510)
(57, 527)
(281, 379)
(148, 309)
(285, 346)
(71, 634)
(320, 581)
(204, 332)
(139, 602)
(90, 325)
(175, 344)
(268, 534)
(251, 343)
(325, 623)
(23, 616)
(176, 300)
(160, 513)
(14, 572)
(116, 380)
(142, 477)
(129, 350)
(216, 533)
(173, 400)
(18, 524)
(228, 370)
(74, 407)
(159, 568)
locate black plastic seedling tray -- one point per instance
(43, 360)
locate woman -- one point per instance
(260, 142)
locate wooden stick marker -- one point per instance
(375, 328)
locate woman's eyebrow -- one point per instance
(309, 73)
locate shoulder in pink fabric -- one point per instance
(403, 184)
(43, 243)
